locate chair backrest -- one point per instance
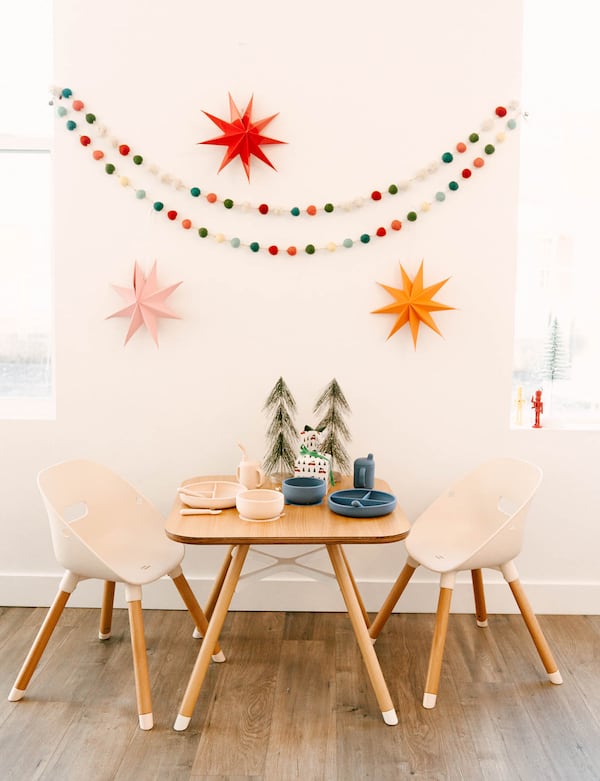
(93, 514)
(479, 521)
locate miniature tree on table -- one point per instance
(281, 434)
(331, 406)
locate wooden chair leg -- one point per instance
(106, 611)
(437, 648)
(140, 664)
(535, 631)
(479, 595)
(385, 611)
(196, 611)
(39, 645)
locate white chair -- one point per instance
(477, 523)
(103, 528)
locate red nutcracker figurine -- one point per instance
(538, 405)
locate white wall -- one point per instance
(368, 94)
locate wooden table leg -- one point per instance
(106, 611)
(218, 584)
(361, 604)
(361, 631)
(211, 637)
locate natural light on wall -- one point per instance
(557, 326)
(26, 366)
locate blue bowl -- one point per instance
(303, 490)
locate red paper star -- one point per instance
(242, 136)
(145, 302)
(413, 304)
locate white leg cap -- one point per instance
(103, 636)
(482, 623)
(15, 694)
(429, 700)
(555, 677)
(196, 634)
(373, 640)
(146, 721)
(389, 716)
(181, 722)
(220, 657)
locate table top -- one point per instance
(313, 524)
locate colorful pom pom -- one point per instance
(77, 105)
(347, 243)
(295, 211)
(263, 208)
(375, 195)
(90, 118)
(453, 186)
(71, 125)
(273, 249)
(478, 162)
(365, 238)
(254, 246)
(85, 140)
(395, 225)
(331, 246)
(235, 242)
(124, 150)
(511, 124)
(195, 192)
(66, 92)
(137, 159)
(61, 111)
(228, 203)
(489, 149)
(140, 194)
(158, 206)
(392, 189)
(474, 138)
(328, 208)
(312, 210)
(500, 111)
(202, 232)
(97, 154)
(440, 196)
(124, 181)
(291, 250)
(172, 214)
(186, 224)
(461, 147)
(310, 249)
(447, 157)
(381, 232)
(109, 168)
(211, 198)
(466, 173)
(411, 216)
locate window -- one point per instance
(557, 325)
(26, 367)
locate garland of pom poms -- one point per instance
(69, 107)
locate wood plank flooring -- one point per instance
(293, 701)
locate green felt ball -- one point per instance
(235, 242)
(511, 124)
(328, 207)
(453, 185)
(138, 159)
(140, 194)
(489, 149)
(71, 125)
(295, 211)
(310, 249)
(109, 168)
(254, 246)
(61, 111)
(195, 192)
(447, 157)
(228, 203)
(90, 118)
(474, 138)
(440, 197)
(411, 216)
(365, 238)
(392, 189)
(158, 206)
(347, 243)
(202, 232)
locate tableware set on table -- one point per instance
(257, 504)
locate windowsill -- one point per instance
(28, 409)
(558, 426)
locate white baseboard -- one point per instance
(323, 595)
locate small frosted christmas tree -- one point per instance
(331, 406)
(281, 434)
(556, 360)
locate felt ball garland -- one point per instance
(124, 151)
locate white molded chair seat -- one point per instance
(477, 523)
(103, 528)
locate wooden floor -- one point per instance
(293, 702)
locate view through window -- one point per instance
(26, 370)
(557, 325)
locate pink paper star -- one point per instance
(145, 302)
(242, 136)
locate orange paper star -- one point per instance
(242, 136)
(413, 304)
(145, 302)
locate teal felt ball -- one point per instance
(347, 243)
(235, 242)
(66, 92)
(447, 157)
(295, 211)
(195, 192)
(254, 246)
(453, 186)
(365, 238)
(71, 125)
(140, 194)
(440, 197)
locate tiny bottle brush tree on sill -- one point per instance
(281, 434)
(331, 407)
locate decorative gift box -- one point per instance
(311, 462)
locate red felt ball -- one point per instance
(460, 147)
(312, 210)
(396, 225)
(466, 173)
(376, 195)
(478, 162)
(187, 224)
(381, 231)
(172, 214)
(97, 154)
(85, 140)
(263, 208)
(211, 197)
(500, 111)
(291, 250)
(77, 105)
(124, 149)
(273, 249)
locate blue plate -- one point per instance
(361, 503)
